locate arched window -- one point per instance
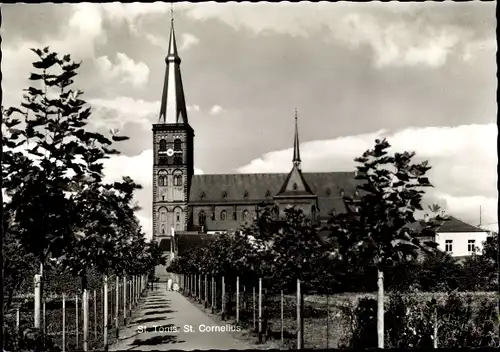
(201, 218)
(177, 160)
(162, 229)
(163, 215)
(177, 215)
(223, 215)
(177, 145)
(177, 178)
(245, 195)
(294, 186)
(224, 194)
(244, 215)
(202, 195)
(163, 144)
(162, 178)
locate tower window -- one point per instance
(177, 145)
(177, 160)
(244, 215)
(223, 215)
(202, 195)
(163, 144)
(245, 195)
(294, 186)
(162, 178)
(177, 178)
(224, 194)
(163, 216)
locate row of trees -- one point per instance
(371, 238)
(59, 214)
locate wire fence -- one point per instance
(74, 319)
(348, 320)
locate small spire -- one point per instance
(296, 150)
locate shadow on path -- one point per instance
(157, 306)
(166, 311)
(157, 340)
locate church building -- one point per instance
(186, 205)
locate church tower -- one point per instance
(172, 153)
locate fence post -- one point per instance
(223, 299)
(237, 300)
(117, 306)
(63, 323)
(76, 319)
(85, 305)
(327, 319)
(435, 340)
(95, 314)
(260, 308)
(105, 321)
(124, 300)
(213, 294)
(17, 319)
(299, 321)
(38, 300)
(254, 327)
(282, 317)
(44, 318)
(206, 290)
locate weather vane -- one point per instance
(295, 113)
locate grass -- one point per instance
(54, 314)
(325, 326)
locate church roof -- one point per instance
(255, 188)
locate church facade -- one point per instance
(185, 204)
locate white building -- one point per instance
(458, 238)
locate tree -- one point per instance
(376, 226)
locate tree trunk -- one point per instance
(380, 309)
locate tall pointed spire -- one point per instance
(296, 150)
(173, 104)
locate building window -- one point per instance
(178, 217)
(224, 194)
(213, 213)
(162, 229)
(177, 145)
(268, 193)
(448, 246)
(202, 195)
(328, 191)
(223, 215)
(162, 197)
(471, 246)
(163, 144)
(162, 178)
(177, 178)
(163, 161)
(244, 215)
(235, 215)
(245, 195)
(294, 186)
(201, 218)
(163, 216)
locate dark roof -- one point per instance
(326, 185)
(301, 186)
(451, 225)
(186, 242)
(455, 225)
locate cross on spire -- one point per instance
(172, 12)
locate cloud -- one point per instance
(188, 41)
(116, 112)
(125, 70)
(139, 168)
(216, 110)
(463, 161)
(397, 34)
(193, 108)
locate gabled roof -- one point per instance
(456, 225)
(452, 224)
(295, 184)
(230, 188)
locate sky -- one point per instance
(423, 75)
